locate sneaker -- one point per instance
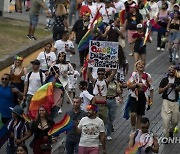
(158, 48)
(176, 129)
(131, 54)
(29, 37)
(60, 111)
(177, 57)
(162, 49)
(109, 138)
(33, 38)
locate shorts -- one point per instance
(86, 150)
(174, 36)
(33, 20)
(130, 34)
(138, 106)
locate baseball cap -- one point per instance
(139, 26)
(35, 62)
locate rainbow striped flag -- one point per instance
(146, 5)
(134, 150)
(122, 16)
(64, 125)
(96, 23)
(43, 96)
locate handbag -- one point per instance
(99, 99)
(45, 146)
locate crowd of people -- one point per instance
(101, 89)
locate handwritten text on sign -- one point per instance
(103, 54)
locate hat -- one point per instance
(17, 110)
(35, 62)
(139, 26)
(92, 107)
(18, 58)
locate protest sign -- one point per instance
(103, 54)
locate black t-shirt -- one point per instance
(133, 20)
(164, 83)
(80, 30)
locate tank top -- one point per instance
(17, 78)
(174, 26)
(163, 17)
(6, 101)
(112, 89)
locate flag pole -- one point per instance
(63, 87)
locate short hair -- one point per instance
(101, 70)
(7, 75)
(83, 83)
(48, 44)
(144, 120)
(73, 65)
(65, 32)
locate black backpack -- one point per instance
(41, 77)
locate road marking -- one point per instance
(154, 59)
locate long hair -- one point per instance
(60, 10)
(38, 119)
(62, 62)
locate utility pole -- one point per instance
(1, 8)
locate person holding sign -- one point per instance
(100, 90)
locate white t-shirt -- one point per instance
(102, 88)
(153, 10)
(107, 14)
(34, 82)
(119, 6)
(51, 57)
(144, 12)
(72, 80)
(91, 129)
(86, 97)
(61, 45)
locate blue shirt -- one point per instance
(6, 101)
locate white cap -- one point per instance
(139, 26)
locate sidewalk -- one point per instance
(25, 17)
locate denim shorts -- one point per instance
(174, 36)
(33, 20)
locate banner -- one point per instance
(103, 54)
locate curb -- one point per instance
(24, 51)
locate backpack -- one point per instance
(41, 77)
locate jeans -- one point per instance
(112, 110)
(73, 11)
(71, 146)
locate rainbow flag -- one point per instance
(122, 16)
(96, 23)
(134, 150)
(64, 125)
(156, 27)
(146, 5)
(43, 96)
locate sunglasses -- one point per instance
(100, 73)
(4, 79)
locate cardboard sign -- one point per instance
(103, 54)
